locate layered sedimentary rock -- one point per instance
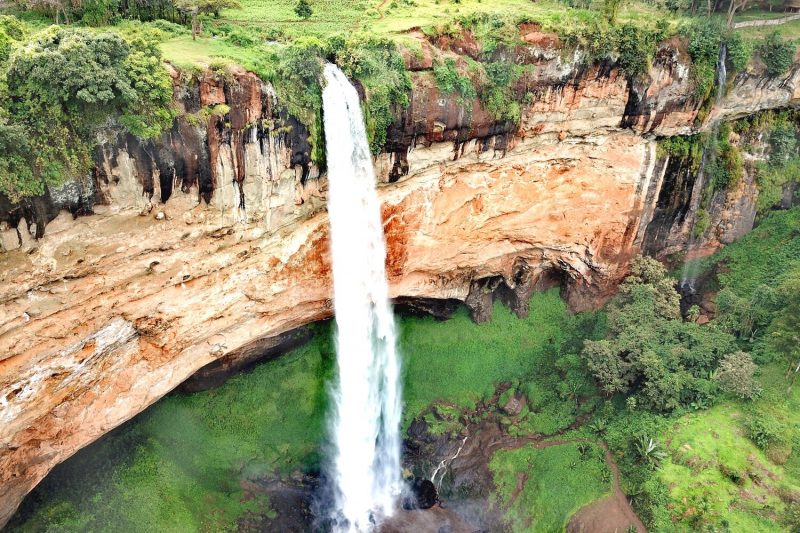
(209, 246)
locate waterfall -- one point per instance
(366, 422)
(689, 275)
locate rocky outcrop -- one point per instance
(209, 246)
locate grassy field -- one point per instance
(556, 482)
(718, 476)
(395, 16)
(460, 362)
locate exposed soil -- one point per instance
(607, 515)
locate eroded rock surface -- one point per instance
(210, 243)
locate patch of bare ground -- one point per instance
(610, 514)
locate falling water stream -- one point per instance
(689, 275)
(366, 422)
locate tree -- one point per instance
(303, 9)
(62, 91)
(611, 10)
(195, 8)
(733, 7)
(650, 351)
(736, 375)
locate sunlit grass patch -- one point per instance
(556, 482)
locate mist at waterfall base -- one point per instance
(364, 469)
(690, 268)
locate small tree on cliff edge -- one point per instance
(303, 9)
(195, 8)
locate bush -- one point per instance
(777, 54)
(303, 9)
(762, 430)
(636, 47)
(739, 51)
(63, 89)
(735, 375)
(450, 81)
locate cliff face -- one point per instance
(209, 246)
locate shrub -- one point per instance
(450, 81)
(777, 54)
(636, 47)
(303, 9)
(736, 375)
(762, 430)
(740, 51)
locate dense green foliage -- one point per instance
(60, 88)
(650, 353)
(557, 481)
(777, 54)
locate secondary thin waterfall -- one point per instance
(366, 423)
(689, 275)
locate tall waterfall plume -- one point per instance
(367, 397)
(689, 274)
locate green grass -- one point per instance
(717, 475)
(330, 16)
(762, 256)
(398, 16)
(460, 362)
(559, 480)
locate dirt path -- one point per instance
(765, 22)
(380, 7)
(610, 514)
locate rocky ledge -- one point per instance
(209, 246)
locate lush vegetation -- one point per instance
(60, 87)
(654, 357)
(733, 466)
(556, 481)
(285, 40)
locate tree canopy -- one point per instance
(60, 88)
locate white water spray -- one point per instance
(366, 424)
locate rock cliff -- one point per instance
(208, 247)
